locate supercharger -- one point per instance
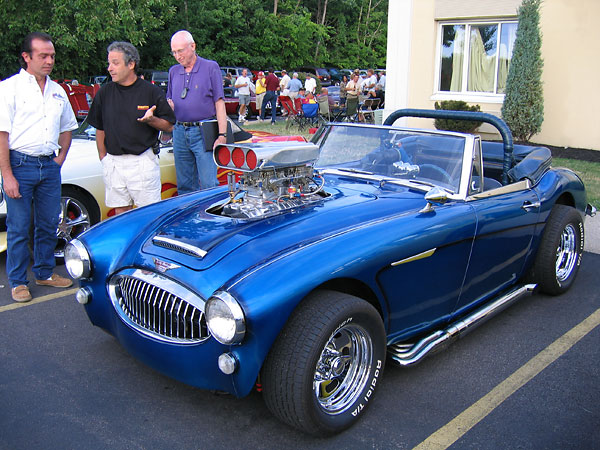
(265, 179)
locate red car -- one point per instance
(232, 104)
(80, 96)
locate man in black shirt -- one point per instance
(128, 114)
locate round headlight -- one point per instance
(77, 259)
(225, 318)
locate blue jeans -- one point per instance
(270, 97)
(195, 167)
(39, 186)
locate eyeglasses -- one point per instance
(181, 51)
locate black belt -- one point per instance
(189, 124)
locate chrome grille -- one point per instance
(158, 307)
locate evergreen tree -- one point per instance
(523, 108)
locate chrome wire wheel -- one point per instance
(566, 253)
(74, 219)
(343, 369)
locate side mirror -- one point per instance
(435, 196)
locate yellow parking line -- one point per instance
(35, 301)
(455, 429)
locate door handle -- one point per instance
(528, 205)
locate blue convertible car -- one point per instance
(326, 259)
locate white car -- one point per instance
(82, 203)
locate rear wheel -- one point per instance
(323, 369)
(559, 255)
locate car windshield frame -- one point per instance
(405, 156)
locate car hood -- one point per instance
(216, 236)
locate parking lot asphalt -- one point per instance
(526, 379)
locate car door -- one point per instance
(423, 281)
(505, 225)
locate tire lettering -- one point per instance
(372, 386)
(340, 326)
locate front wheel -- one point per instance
(559, 255)
(323, 370)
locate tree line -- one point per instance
(254, 33)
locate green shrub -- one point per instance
(523, 108)
(462, 126)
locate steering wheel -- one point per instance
(445, 176)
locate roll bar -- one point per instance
(474, 116)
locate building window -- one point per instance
(477, 64)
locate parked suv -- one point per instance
(235, 71)
(320, 72)
(161, 79)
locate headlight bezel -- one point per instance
(77, 260)
(218, 303)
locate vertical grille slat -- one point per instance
(159, 311)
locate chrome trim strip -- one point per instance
(522, 185)
(408, 356)
(179, 246)
(425, 254)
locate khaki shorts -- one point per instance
(259, 100)
(131, 179)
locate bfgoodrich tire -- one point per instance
(323, 370)
(559, 255)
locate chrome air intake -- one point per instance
(273, 177)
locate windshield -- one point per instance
(416, 155)
(84, 131)
(160, 76)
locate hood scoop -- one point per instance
(178, 246)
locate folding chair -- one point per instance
(324, 113)
(367, 109)
(351, 110)
(294, 110)
(310, 112)
(288, 106)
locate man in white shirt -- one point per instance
(370, 83)
(242, 84)
(381, 82)
(283, 84)
(36, 120)
(310, 84)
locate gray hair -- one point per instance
(130, 53)
(295, 75)
(185, 34)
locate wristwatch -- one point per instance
(223, 134)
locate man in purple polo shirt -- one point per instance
(195, 93)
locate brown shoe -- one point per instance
(56, 281)
(21, 294)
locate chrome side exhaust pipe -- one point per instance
(408, 355)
